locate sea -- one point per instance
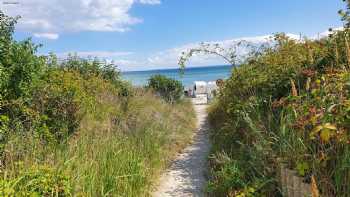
(187, 77)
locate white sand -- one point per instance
(187, 175)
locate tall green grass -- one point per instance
(116, 152)
(74, 128)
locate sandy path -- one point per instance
(187, 174)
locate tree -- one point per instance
(20, 67)
(345, 14)
(88, 67)
(169, 89)
(6, 29)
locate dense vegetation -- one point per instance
(289, 102)
(169, 89)
(74, 128)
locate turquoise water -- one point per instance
(139, 78)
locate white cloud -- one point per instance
(326, 33)
(152, 2)
(98, 54)
(56, 16)
(51, 36)
(169, 58)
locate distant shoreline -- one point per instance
(190, 74)
(174, 69)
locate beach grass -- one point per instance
(117, 151)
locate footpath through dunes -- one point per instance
(187, 174)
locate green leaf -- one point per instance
(4, 118)
(302, 168)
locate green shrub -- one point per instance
(291, 97)
(89, 67)
(228, 175)
(20, 68)
(107, 138)
(273, 106)
(318, 126)
(23, 70)
(169, 89)
(39, 95)
(4, 128)
(20, 72)
(36, 181)
(59, 102)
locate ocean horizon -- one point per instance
(187, 77)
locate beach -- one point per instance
(187, 77)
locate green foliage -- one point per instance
(107, 138)
(169, 89)
(18, 64)
(321, 124)
(23, 70)
(4, 127)
(230, 178)
(290, 97)
(7, 26)
(118, 150)
(36, 181)
(228, 175)
(124, 158)
(345, 15)
(59, 101)
(88, 68)
(40, 95)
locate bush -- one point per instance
(59, 101)
(292, 97)
(169, 89)
(107, 138)
(37, 181)
(21, 71)
(89, 67)
(40, 95)
(20, 68)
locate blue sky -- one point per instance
(148, 34)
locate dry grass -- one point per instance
(120, 148)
